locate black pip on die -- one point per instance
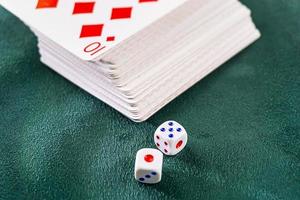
(170, 137)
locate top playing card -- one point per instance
(88, 28)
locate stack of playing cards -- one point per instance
(136, 55)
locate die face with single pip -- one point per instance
(170, 137)
(148, 166)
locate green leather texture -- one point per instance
(243, 121)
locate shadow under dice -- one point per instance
(148, 166)
(170, 137)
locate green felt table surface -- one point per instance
(243, 120)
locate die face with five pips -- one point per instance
(148, 166)
(170, 137)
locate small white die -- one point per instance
(170, 137)
(148, 166)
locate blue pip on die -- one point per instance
(170, 137)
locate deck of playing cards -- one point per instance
(136, 55)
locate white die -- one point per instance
(148, 166)
(170, 137)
